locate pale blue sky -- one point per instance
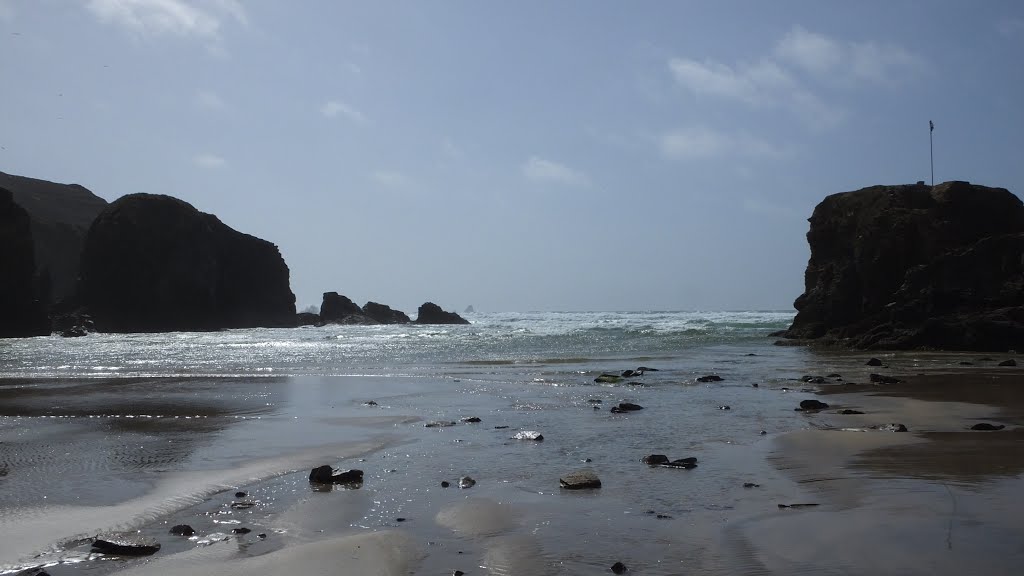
(520, 155)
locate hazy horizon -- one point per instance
(573, 156)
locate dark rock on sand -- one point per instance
(985, 426)
(797, 505)
(874, 362)
(22, 307)
(883, 379)
(125, 544)
(655, 459)
(182, 530)
(327, 475)
(751, 485)
(471, 420)
(579, 480)
(466, 482)
(915, 266)
(154, 263)
(893, 428)
(724, 407)
(683, 463)
(385, 314)
(242, 530)
(608, 379)
(848, 412)
(1010, 362)
(241, 494)
(619, 568)
(445, 484)
(430, 313)
(709, 378)
(812, 405)
(626, 407)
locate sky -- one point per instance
(516, 156)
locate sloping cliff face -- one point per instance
(915, 267)
(21, 312)
(154, 263)
(60, 216)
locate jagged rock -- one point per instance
(385, 314)
(654, 459)
(430, 313)
(812, 405)
(1010, 362)
(22, 311)
(154, 263)
(579, 480)
(125, 544)
(710, 378)
(182, 530)
(874, 362)
(900, 267)
(327, 475)
(985, 426)
(619, 568)
(466, 482)
(626, 407)
(60, 216)
(338, 309)
(892, 428)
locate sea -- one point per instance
(139, 432)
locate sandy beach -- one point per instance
(938, 499)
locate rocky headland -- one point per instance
(154, 263)
(915, 266)
(21, 311)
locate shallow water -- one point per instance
(139, 445)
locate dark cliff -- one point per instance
(21, 312)
(154, 263)
(60, 216)
(915, 267)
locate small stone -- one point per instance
(874, 362)
(471, 420)
(756, 385)
(579, 480)
(1010, 362)
(985, 426)
(619, 568)
(370, 403)
(529, 435)
(327, 475)
(466, 482)
(763, 432)
(399, 519)
(594, 400)
(626, 407)
(812, 405)
(500, 427)
(883, 379)
(796, 505)
(662, 516)
(458, 572)
(814, 379)
(262, 536)
(242, 530)
(243, 505)
(751, 485)
(724, 408)
(683, 463)
(654, 459)
(893, 428)
(182, 530)
(588, 460)
(125, 544)
(240, 494)
(848, 412)
(445, 484)
(710, 378)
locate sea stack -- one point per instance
(21, 311)
(430, 313)
(154, 263)
(915, 266)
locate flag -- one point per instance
(931, 126)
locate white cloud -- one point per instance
(209, 161)
(540, 170)
(390, 178)
(199, 18)
(209, 100)
(699, 143)
(813, 52)
(335, 107)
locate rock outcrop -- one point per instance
(60, 216)
(338, 309)
(385, 314)
(901, 267)
(154, 263)
(21, 311)
(430, 313)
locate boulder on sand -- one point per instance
(579, 480)
(327, 475)
(125, 544)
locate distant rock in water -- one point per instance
(469, 310)
(912, 266)
(153, 263)
(430, 313)
(60, 216)
(385, 314)
(338, 309)
(21, 311)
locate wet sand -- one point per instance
(939, 499)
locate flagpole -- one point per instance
(931, 150)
